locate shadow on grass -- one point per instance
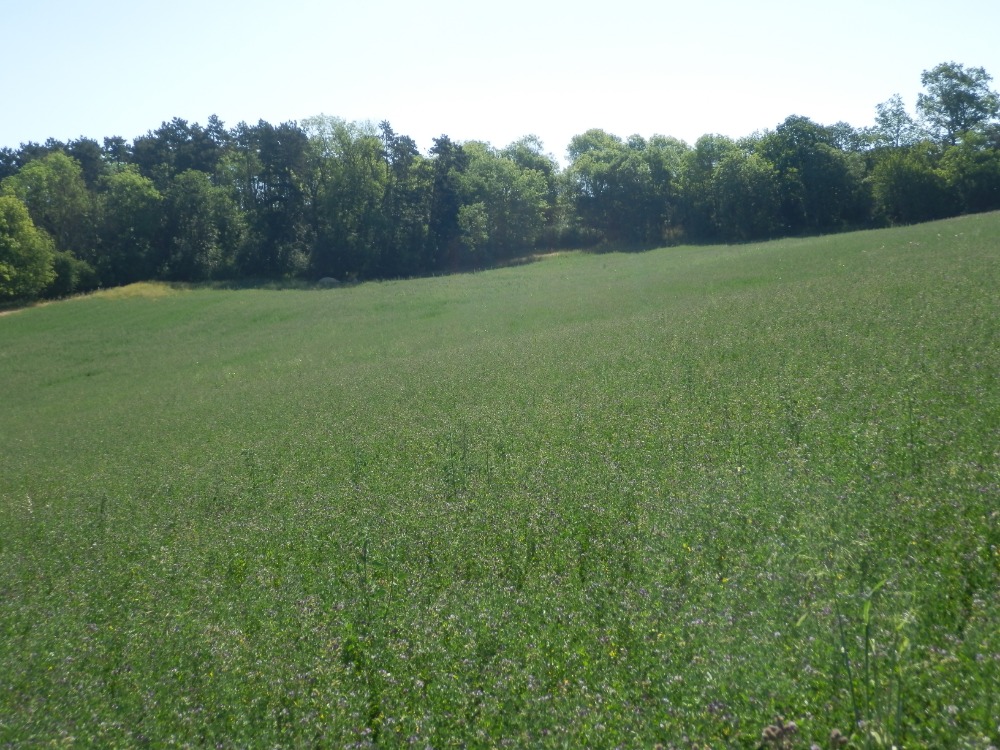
(157, 288)
(325, 285)
(273, 285)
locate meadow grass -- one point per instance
(675, 497)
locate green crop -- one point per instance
(711, 496)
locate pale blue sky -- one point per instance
(484, 71)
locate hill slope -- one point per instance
(596, 500)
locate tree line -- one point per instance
(331, 198)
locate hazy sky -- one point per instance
(485, 71)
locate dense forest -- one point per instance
(330, 198)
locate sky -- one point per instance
(489, 71)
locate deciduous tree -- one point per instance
(349, 178)
(26, 252)
(620, 187)
(972, 171)
(958, 100)
(698, 199)
(505, 204)
(819, 190)
(747, 197)
(53, 189)
(130, 227)
(908, 188)
(894, 127)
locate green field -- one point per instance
(595, 500)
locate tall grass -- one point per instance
(613, 500)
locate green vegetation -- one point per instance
(331, 199)
(25, 253)
(597, 500)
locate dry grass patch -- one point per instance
(144, 289)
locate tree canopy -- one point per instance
(328, 197)
(26, 256)
(958, 100)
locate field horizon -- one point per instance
(679, 497)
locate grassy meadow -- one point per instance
(596, 500)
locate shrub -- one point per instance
(72, 275)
